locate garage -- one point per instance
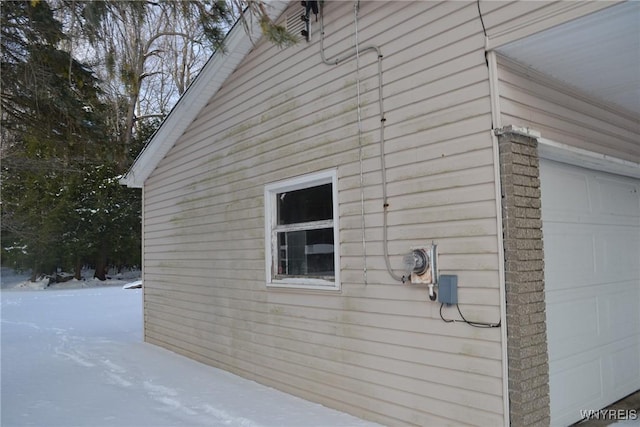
(591, 229)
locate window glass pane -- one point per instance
(305, 205)
(307, 253)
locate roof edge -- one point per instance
(238, 43)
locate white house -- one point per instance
(285, 194)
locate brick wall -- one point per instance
(524, 279)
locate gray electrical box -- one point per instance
(448, 289)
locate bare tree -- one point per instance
(148, 52)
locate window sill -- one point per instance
(298, 283)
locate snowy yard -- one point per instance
(73, 356)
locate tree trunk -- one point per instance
(36, 271)
(77, 274)
(101, 270)
(101, 265)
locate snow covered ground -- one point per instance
(18, 281)
(72, 355)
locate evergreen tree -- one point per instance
(66, 136)
(59, 186)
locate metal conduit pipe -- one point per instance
(356, 9)
(336, 61)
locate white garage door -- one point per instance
(591, 226)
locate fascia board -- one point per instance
(218, 68)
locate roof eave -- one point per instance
(238, 44)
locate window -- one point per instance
(301, 230)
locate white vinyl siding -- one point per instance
(507, 21)
(377, 350)
(528, 99)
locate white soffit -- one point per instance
(216, 71)
(598, 54)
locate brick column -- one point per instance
(524, 279)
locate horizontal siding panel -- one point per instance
(565, 117)
(207, 216)
(325, 310)
(282, 149)
(237, 91)
(566, 131)
(197, 289)
(447, 172)
(443, 117)
(454, 212)
(302, 327)
(246, 369)
(242, 136)
(229, 196)
(324, 362)
(246, 248)
(275, 147)
(547, 114)
(516, 78)
(512, 16)
(241, 279)
(323, 345)
(440, 197)
(305, 331)
(201, 214)
(276, 357)
(509, 21)
(218, 231)
(480, 296)
(307, 95)
(204, 254)
(439, 27)
(455, 90)
(432, 62)
(462, 228)
(205, 234)
(302, 377)
(450, 138)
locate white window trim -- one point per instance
(271, 226)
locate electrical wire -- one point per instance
(484, 30)
(486, 38)
(470, 323)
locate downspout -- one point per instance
(496, 121)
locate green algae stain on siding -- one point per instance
(239, 128)
(288, 134)
(279, 111)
